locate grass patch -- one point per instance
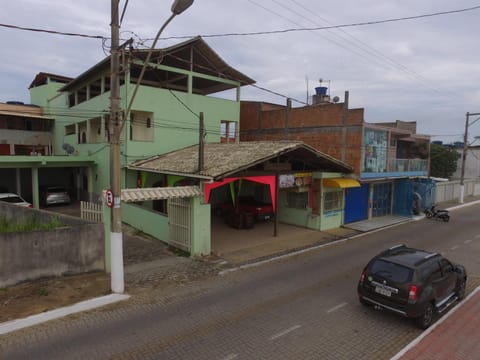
(31, 224)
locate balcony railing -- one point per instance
(407, 165)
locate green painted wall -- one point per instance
(201, 227)
(148, 221)
(174, 124)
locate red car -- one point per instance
(248, 204)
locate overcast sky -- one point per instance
(423, 70)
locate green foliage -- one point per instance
(43, 292)
(31, 224)
(443, 161)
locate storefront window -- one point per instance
(297, 200)
(332, 201)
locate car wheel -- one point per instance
(425, 320)
(461, 289)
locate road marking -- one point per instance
(454, 247)
(467, 241)
(335, 308)
(231, 357)
(276, 336)
(477, 236)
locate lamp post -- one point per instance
(464, 153)
(116, 126)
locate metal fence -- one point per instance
(91, 211)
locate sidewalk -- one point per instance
(454, 337)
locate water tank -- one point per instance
(321, 90)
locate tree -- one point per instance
(443, 161)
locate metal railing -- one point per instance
(91, 211)
(407, 165)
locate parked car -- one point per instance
(414, 283)
(248, 204)
(54, 194)
(14, 199)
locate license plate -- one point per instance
(383, 291)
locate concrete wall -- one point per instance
(450, 190)
(76, 248)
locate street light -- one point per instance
(178, 7)
(464, 153)
(116, 126)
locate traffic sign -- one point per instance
(109, 197)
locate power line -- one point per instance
(363, 46)
(374, 22)
(16, 27)
(252, 33)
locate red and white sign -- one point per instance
(109, 198)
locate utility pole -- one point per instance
(464, 154)
(115, 126)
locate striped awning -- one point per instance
(159, 193)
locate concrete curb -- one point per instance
(18, 324)
(315, 247)
(424, 334)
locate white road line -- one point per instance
(335, 308)
(467, 241)
(477, 236)
(454, 247)
(231, 357)
(276, 336)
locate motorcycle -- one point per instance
(432, 213)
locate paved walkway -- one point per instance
(456, 336)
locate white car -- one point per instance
(14, 199)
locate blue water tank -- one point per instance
(321, 90)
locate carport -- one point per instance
(24, 174)
(219, 164)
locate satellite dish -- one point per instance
(336, 99)
(69, 149)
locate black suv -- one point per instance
(411, 282)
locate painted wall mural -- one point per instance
(375, 153)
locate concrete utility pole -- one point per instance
(115, 126)
(464, 154)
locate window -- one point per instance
(228, 130)
(393, 272)
(332, 201)
(431, 271)
(447, 267)
(141, 128)
(297, 200)
(70, 129)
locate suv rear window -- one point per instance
(394, 272)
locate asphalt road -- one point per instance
(303, 307)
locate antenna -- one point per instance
(306, 81)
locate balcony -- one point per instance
(398, 168)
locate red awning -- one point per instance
(268, 180)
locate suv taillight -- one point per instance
(412, 293)
(362, 277)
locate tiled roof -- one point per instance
(159, 193)
(222, 160)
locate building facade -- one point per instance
(390, 160)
